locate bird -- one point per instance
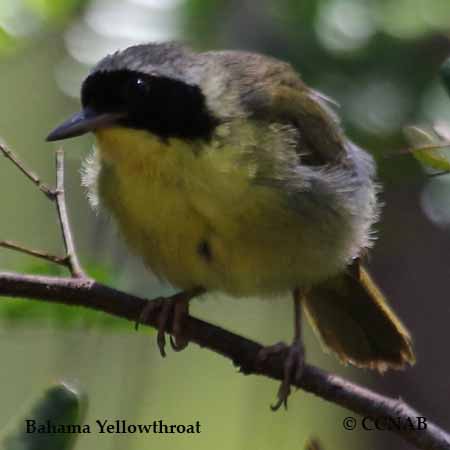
(226, 172)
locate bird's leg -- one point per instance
(175, 308)
(295, 355)
(179, 341)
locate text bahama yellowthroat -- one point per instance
(225, 172)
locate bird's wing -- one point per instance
(273, 91)
(319, 129)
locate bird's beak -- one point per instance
(83, 122)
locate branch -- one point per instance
(71, 255)
(241, 351)
(46, 190)
(32, 252)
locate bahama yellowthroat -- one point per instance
(225, 172)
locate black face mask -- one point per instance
(163, 106)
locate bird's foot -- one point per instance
(173, 313)
(293, 367)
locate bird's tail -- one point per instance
(353, 319)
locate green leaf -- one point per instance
(60, 404)
(428, 148)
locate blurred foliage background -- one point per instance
(379, 59)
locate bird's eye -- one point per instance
(141, 86)
(136, 89)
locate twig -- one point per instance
(44, 188)
(241, 351)
(72, 258)
(427, 147)
(56, 195)
(410, 150)
(32, 252)
(438, 174)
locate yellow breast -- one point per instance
(196, 218)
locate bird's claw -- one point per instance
(175, 308)
(293, 368)
(178, 343)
